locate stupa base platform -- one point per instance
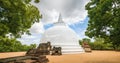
(70, 49)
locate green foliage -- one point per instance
(36, 1)
(26, 47)
(99, 44)
(104, 20)
(17, 16)
(12, 45)
(80, 42)
(84, 40)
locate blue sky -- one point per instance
(80, 27)
(73, 14)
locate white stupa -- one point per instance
(61, 35)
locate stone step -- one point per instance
(72, 48)
(72, 52)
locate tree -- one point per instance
(104, 20)
(12, 45)
(99, 44)
(17, 16)
(86, 40)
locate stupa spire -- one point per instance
(60, 19)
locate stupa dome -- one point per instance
(61, 35)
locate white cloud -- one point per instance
(30, 39)
(36, 31)
(71, 10)
(28, 36)
(37, 28)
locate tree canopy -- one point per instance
(104, 20)
(17, 16)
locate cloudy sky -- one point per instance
(73, 13)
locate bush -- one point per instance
(12, 45)
(100, 46)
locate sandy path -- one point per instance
(94, 57)
(11, 54)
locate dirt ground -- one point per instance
(11, 54)
(93, 57)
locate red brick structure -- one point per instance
(86, 47)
